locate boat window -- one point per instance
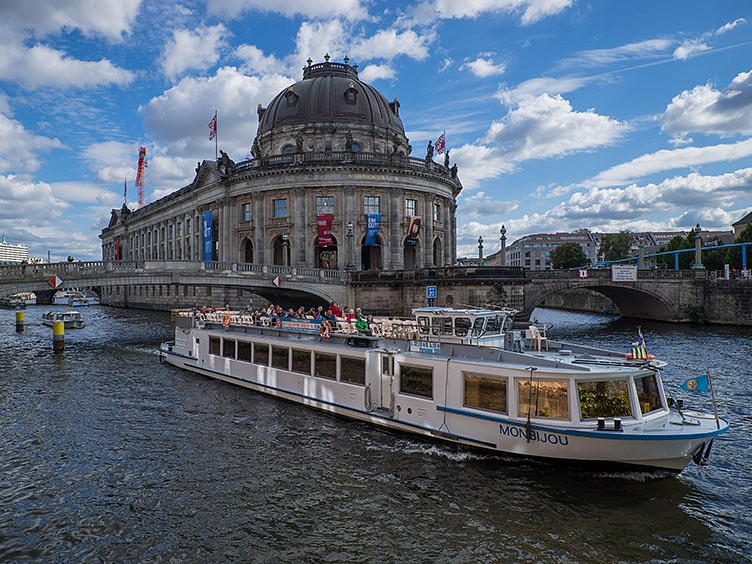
(478, 326)
(228, 348)
(326, 365)
(607, 398)
(261, 353)
(485, 392)
(416, 380)
(352, 370)
(647, 393)
(436, 325)
(214, 345)
(244, 351)
(493, 325)
(281, 358)
(461, 326)
(423, 325)
(301, 361)
(543, 398)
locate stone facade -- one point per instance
(329, 145)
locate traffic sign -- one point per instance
(277, 281)
(431, 292)
(55, 281)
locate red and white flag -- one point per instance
(440, 144)
(213, 127)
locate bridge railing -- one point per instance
(605, 274)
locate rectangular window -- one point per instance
(246, 212)
(244, 351)
(410, 207)
(281, 358)
(436, 212)
(416, 381)
(352, 370)
(326, 365)
(324, 204)
(280, 207)
(648, 394)
(485, 392)
(261, 354)
(543, 398)
(214, 345)
(228, 348)
(301, 361)
(371, 204)
(609, 398)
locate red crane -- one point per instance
(140, 175)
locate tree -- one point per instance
(568, 255)
(734, 255)
(616, 246)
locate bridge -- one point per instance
(657, 294)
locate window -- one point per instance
(416, 381)
(543, 398)
(352, 370)
(485, 392)
(648, 394)
(244, 351)
(281, 358)
(261, 354)
(246, 212)
(228, 348)
(371, 204)
(288, 149)
(324, 204)
(609, 398)
(326, 365)
(436, 212)
(301, 361)
(410, 207)
(214, 345)
(280, 207)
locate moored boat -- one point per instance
(75, 298)
(12, 302)
(71, 319)
(459, 375)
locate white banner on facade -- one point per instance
(623, 272)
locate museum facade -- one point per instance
(330, 184)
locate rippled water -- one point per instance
(109, 456)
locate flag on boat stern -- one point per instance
(699, 384)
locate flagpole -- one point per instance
(216, 135)
(712, 398)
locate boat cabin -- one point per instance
(484, 327)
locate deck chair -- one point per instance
(538, 338)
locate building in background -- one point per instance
(13, 254)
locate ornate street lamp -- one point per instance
(503, 250)
(285, 249)
(350, 235)
(480, 251)
(698, 253)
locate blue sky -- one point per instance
(560, 114)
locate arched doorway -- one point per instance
(438, 253)
(281, 250)
(410, 254)
(246, 251)
(326, 256)
(371, 256)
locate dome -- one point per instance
(330, 94)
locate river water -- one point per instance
(109, 456)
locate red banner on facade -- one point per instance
(325, 229)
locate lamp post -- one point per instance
(698, 252)
(350, 235)
(285, 249)
(480, 251)
(503, 250)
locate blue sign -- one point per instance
(206, 236)
(374, 222)
(430, 292)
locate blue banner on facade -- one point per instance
(374, 222)
(206, 236)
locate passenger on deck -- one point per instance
(361, 325)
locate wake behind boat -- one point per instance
(459, 375)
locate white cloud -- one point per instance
(538, 86)
(348, 9)
(19, 146)
(529, 11)
(730, 26)
(484, 67)
(390, 43)
(109, 18)
(376, 72)
(197, 49)
(690, 48)
(255, 62)
(316, 38)
(707, 110)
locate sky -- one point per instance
(560, 114)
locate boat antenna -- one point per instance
(528, 426)
(712, 399)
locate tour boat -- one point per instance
(75, 298)
(465, 376)
(12, 302)
(71, 319)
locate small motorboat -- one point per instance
(71, 319)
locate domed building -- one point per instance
(330, 184)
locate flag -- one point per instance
(440, 143)
(213, 127)
(699, 384)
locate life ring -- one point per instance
(325, 329)
(226, 320)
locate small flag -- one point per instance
(440, 144)
(213, 127)
(699, 384)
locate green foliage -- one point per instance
(568, 255)
(695, 314)
(734, 255)
(616, 246)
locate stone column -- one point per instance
(301, 254)
(396, 258)
(259, 228)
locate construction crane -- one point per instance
(140, 175)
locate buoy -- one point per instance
(19, 321)
(58, 335)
